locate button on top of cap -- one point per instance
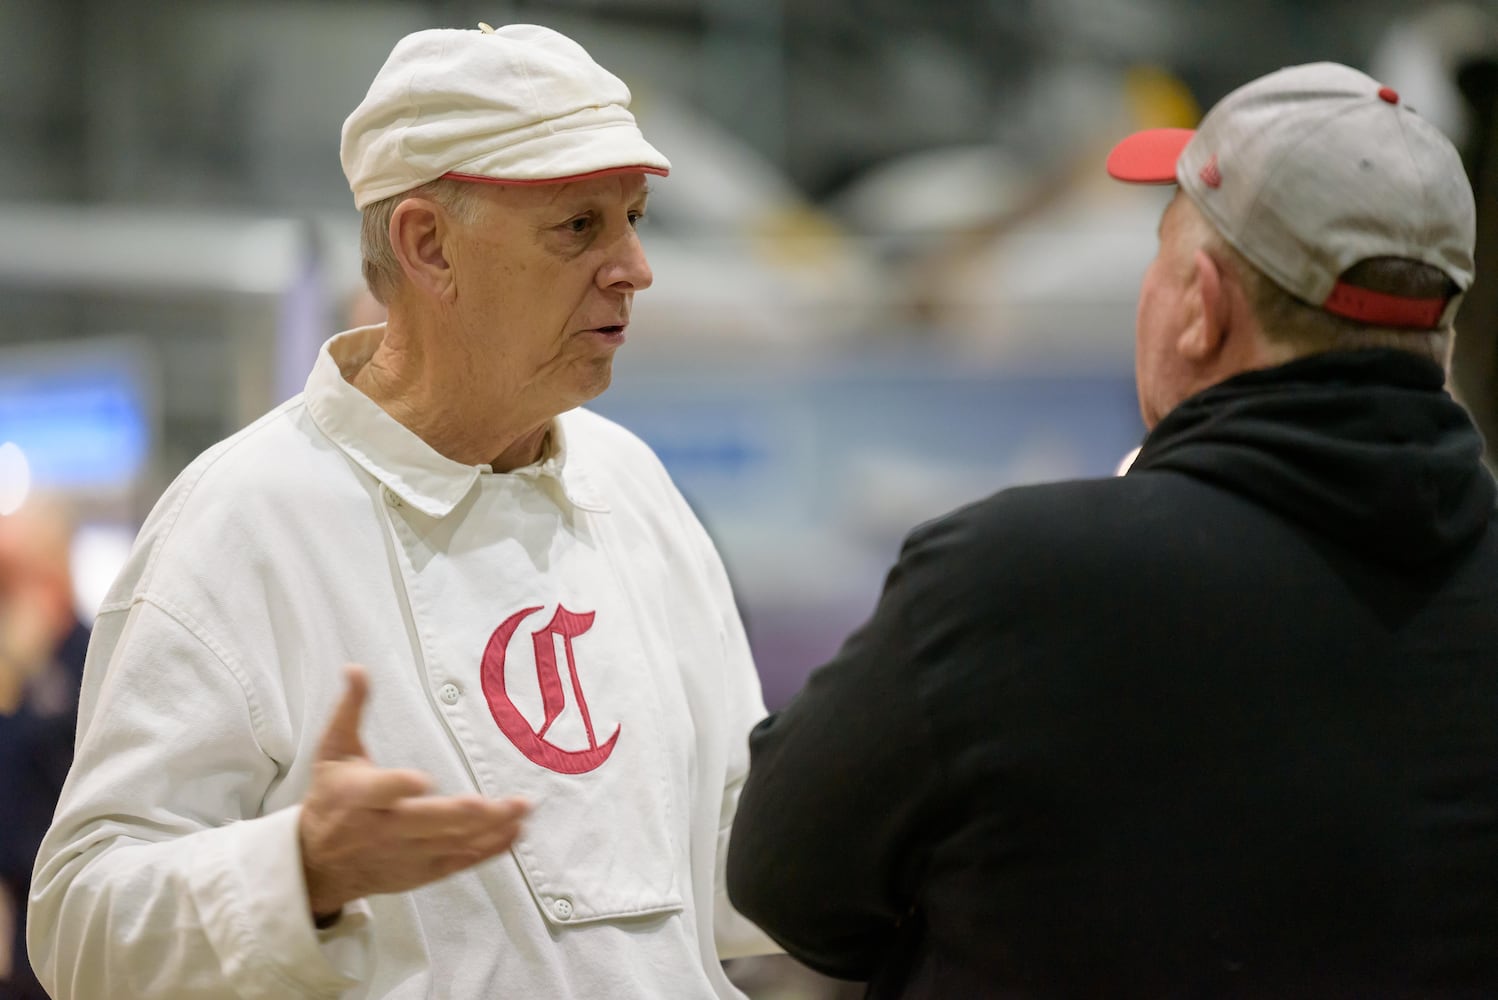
(485, 28)
(1389, 94)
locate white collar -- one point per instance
(392, 453)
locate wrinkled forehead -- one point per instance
(621, 188)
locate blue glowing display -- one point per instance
(84, 426)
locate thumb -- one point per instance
(341, 739)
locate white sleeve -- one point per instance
(159, 876)
(734, 934)
(744, 707)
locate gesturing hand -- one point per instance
(366, 829)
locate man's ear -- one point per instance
(420, 232)
(1206, 336)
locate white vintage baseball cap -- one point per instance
(519, 105)
(1312, 169)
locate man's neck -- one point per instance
(455, 418)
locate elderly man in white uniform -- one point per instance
(525, 790)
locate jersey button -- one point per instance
(450, 693)
(562, 909)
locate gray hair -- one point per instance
(1304, 329)
(382, 272)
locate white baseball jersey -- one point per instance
(563, 632)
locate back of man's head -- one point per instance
(1349, 218)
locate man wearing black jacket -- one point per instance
(1226, 726)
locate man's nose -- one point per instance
(626, 270)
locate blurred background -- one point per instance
(891, 275)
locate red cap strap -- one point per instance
(1379, 309)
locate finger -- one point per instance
(433, 818)
(443, 865)
(500, 839)
(341, 738)
(434, 814)
(370, 787)
(458, 857)
(437, 839)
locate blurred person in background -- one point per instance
(1443, 57)
(42, 647)
(1471, 58)
(543, 629)
(1226, 725)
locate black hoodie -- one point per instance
(1365, 448)
(1224, 727)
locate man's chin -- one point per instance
(597, 375)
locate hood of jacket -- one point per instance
(1365, 447)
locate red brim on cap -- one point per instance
(1149, 157)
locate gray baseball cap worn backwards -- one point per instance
(1313, 169)
(519, 105)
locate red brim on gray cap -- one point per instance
(1149, 157)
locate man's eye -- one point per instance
(635, 218)
(579, 224)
